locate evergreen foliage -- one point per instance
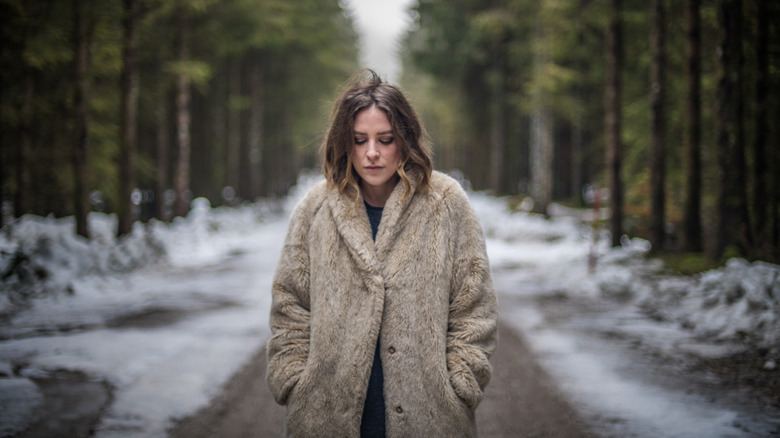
(512, 91)
(259, 73)
(467, 57)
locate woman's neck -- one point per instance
(377, 196)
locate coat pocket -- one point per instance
(464, 384)
(296, 404)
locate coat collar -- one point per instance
(353, 226)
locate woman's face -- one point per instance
(376, 154)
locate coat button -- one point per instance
(391, 350)
(399, 409)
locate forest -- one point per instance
(665, 106)
(135, 107)
(662, 111)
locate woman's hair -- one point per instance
(363, 91)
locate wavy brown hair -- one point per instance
(363, 91)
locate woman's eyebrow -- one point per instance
(378, 133)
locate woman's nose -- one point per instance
(373, 152)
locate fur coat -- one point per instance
(424, 289)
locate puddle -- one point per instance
(160, 316)
(72, 405)
(149, 318)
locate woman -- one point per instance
(384, 315)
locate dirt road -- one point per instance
(521, 401)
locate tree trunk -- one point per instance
(219, 107)
(256, 114)
(732, 228)
(181, 180)
(497, 128)
(739, 198)
(162, 156)
(234, 125)
(541, 157)
(658, 129)
(775, 202)
(128, 116)
(612, 123)
(577, 162)
(4, 157)
(761, 172)
(80, 100)
(541, 141)
(22, 195)
(692, 228)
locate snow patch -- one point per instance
(738, 302)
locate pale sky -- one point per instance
(380, 24)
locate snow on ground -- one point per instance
(73, 304)
(709, 315)
(169, 371)
(740, 301)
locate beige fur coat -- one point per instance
(424, 289)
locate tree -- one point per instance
(612, 119)
(256, 113)
(490, 29)
(23, 152)
(692, 228)
(761, 160)
(733, 228)
(162, 145)
(128, 115)
(234, 110)
(541, 143)
(80, 101)
(18, 28)
(181, 178)
(658, 129)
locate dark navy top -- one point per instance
(373, 421)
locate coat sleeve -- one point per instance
(288, 348)
(473, 317)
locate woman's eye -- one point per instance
(386, 141)
(359, 142)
